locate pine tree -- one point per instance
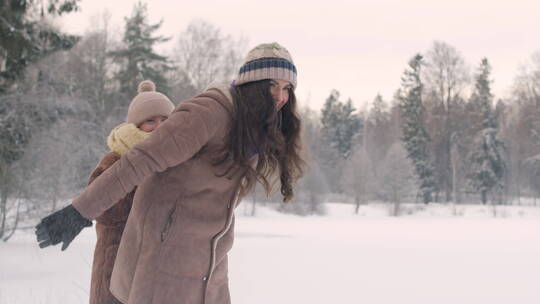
(487, 162)
(340, 125)
(137, 59)
(339, 129)
(25, 39)
(415, 137)
(379, 112)
(25, 36)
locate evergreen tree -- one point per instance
(379, 112)
(25, 36)
(137, 59)
(24, 39)
(340, 125)
(481, 98)
(339, 128)
(487, 163)
(415, 137)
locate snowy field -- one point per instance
(439, 254)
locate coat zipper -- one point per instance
(231, 206)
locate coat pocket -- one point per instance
(168, 223)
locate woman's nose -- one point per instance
(280, 96)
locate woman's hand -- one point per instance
(61, 226)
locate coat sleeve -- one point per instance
(106, 161)
(182, 135)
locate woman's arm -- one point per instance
(104, 163)
(186, 131)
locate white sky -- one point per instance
(357, 47)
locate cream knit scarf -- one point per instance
(124, 136)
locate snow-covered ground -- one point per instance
(435, 254)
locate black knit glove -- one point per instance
(61, 226)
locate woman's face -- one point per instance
(280, 92)
(152, 123)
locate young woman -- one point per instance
(146, 112)
(191, 174)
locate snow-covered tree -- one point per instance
(482, 98)
(415, 136)
(487, 157)
(487, 163)
(397, 180)
(26, 35)
(340, 126)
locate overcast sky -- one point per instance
(357, 47)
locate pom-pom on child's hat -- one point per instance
(267, 61)
(148, 103)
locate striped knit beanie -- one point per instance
(267, 61)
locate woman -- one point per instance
(191, 173)
(146, 112)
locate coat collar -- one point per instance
(222, 88)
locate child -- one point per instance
(146, 112)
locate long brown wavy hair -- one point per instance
(257, 128)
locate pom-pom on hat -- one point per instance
(267, 61)
(146, 86)
(148, 103)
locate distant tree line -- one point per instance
(444, 137)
